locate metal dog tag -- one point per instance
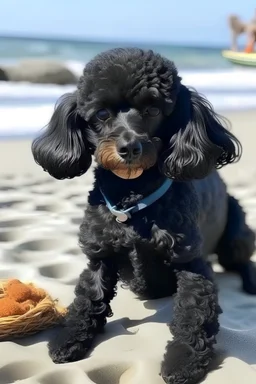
(121, 217)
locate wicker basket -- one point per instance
(44, 315)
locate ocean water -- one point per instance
(26, 108)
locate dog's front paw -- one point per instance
(64, 348)
(181, 364)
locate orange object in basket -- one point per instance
(10, 307)
(26, 309)
(19, 298)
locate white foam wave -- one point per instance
(229, 80)
(75, 66)
(24, 120)
(26, 108)
(13, 91)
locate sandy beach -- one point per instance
(39, 222)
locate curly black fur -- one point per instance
(162, 249)
(87, 314)
(194, 326)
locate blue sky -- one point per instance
(174, 21)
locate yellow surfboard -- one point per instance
(241, 58)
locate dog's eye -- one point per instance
(153, 111)
(103, 114)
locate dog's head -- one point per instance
(132, 113)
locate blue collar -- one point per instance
(124, 215)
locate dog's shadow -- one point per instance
(163, 313)
(113, 328)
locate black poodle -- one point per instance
(158, 206)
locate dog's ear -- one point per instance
(200, 140)
(63, 149)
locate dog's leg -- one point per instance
(237, 246)
(87, 314)
(146, 271)
(194, 326)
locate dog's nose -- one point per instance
(129, 150)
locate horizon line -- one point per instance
(71, 39)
